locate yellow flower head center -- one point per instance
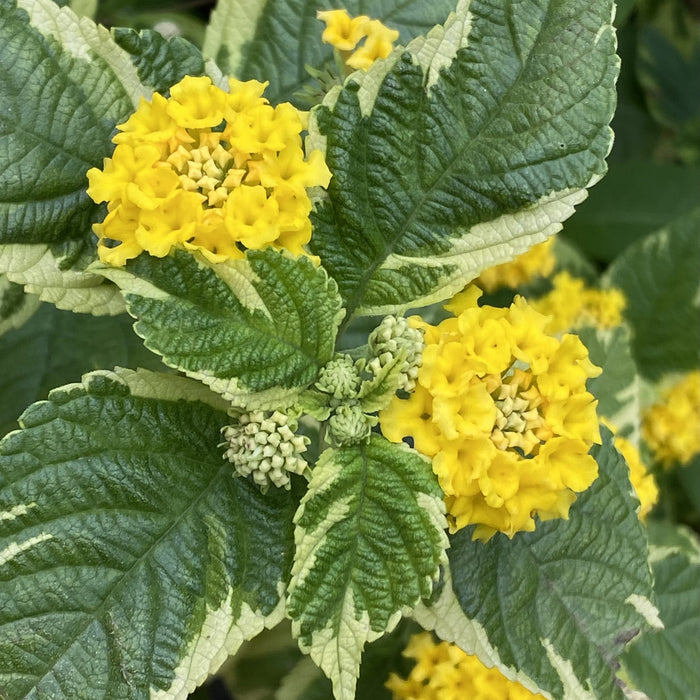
(517, 416)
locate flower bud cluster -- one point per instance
(349, 425)
(339, 378)
(263, 445)
(392, 336)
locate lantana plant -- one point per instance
(351, 412)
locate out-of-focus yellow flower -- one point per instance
(502, 408)
(539, 261)
(642, 480)
(572, 304)
(208, 170)
(671, 427)
(345, 33)
(444, 672)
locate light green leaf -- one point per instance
(15, 306)
(46, 272)
(659, 276)
(664, 663)
(555, 607)
(160, 62)
(65, 85)
(56, 347)
(444, 167)
(618, 388)
(275, 39)
(261, 326)
(369, 540)
(131, 561)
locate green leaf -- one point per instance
(634, 200)
(464, 150)
(369, 540)
(160, 62)
(15, 306)
(276, 39)
(664, 663)
(131, 560)
(555, 607)
(659, 276)
(47, 272)
(618, 388)
(264, 325)
(65, 85)
(56, 347)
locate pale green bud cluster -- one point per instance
(264, 445)
(349, 424)
(339, 378)
(394, 336)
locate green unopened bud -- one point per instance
(350, 425)
(339, 378)
(394, 336)
(264, 445)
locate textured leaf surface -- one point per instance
(468, 150)
(46, 272)
(659, 276)
(275, 39)
(160, 62)
(130, 559)
(556, 605)
(263, 324)
(618, 388)
(369, 540)
(664, 663)
(56, 347)
(65, 84)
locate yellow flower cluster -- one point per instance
(207, 170)
(571, 304)
(444, 672)
(671, 427)
(539, 261)
(345, 33)
(502, 408)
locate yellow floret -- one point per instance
(207, 170)
(502, 408)
(443, 671)
(345, 33)
(342, 31)
(671, 426)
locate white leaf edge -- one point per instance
(35, 267)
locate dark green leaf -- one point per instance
(160, 62)
(369, 541)
(559, 604)
(132, 560)
(263, 324)
(64, 86)
(664, 663)
(56, 347)
(467, 155)
(659, 276)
